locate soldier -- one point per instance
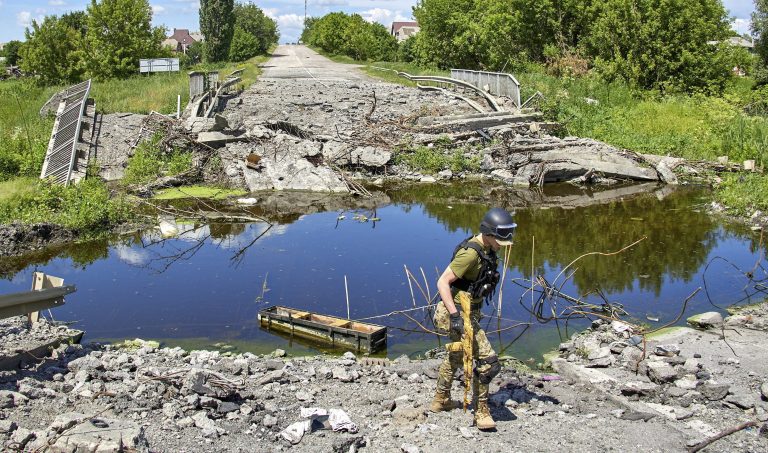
(473, 269)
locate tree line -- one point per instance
(350, 35)
(664, 45)
(108, 39)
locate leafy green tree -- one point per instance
(119, 33)
(53, 52)
(661, 44)
(759, 29)
(244, 46)
(217, 23)
(252, 20)
(77, 20)
(350, 35)
(11, 52)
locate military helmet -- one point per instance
(498, 223)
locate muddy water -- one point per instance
(205, 288)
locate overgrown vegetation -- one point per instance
(743, 194)
(436, 158)
(86, 207)
(350, 35)
(150, 162)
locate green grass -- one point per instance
(743, 194)
(16, 187)
(214, 193)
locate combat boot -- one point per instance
(483, 419)
(441, 402)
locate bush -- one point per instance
(150, 162)
(743, 193)
(350, 35)
(85, 207)
(436, 158)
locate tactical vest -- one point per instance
(485, 285)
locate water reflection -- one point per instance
(211, 280)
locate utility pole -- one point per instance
(305, 13)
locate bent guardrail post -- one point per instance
(47, 292)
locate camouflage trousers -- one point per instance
(481, 349)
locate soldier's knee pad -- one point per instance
(490, 368)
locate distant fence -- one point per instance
(498, 83)
(158, 65)
(62, 147)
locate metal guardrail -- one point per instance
(62, 147)
(456, 82)
(498, 83)
(47, 292)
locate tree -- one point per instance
(661, 44)
(252, 20)
(759, 29)
(11, 52)
(244, 46)
(119, 33)
(350, 35)
(217, 23)
(76, 20)
(53, 52)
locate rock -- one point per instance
(349, 356)
(225, 407)
(599, 353)
(196, 125)
(278, 353)
(466, 433)
(100, 434)
(661, 372)
(216, 139)
(667, 350)
(706, 320)
(741, 401)
(269, 421)
(617, 347)
(427, 179)
(686, 383)
(764, 391)
(274, 364)
(639, 388)
(408, 415)
(7, 426)
(603, 362)
(415, 378)
(303, 395)
(342, 374)
(295, 432)
(692, 365)
(636, 416)
(409, 448)
(445, 174)
(10, 399)
(196, 381)
(272, 376)
(714, 392)
(22, 437)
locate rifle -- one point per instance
(465, 344)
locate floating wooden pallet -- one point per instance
(329, 329)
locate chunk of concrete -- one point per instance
(706, 320)
(216, 139)
(714, 392)
(639, 388)
(661, 372)
(101, 434)
(196, 125)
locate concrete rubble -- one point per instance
(141, 397)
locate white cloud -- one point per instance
(741, 25)
(383, 16)
(56, 3)
(132, 256)
(157, 9)
(332, 2)
(290, 21)
(24, 19)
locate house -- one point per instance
(404, 30)
(737, 41)
(181, 39)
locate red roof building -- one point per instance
(404, 30)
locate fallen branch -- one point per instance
(727, 432)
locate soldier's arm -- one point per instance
(444, 288)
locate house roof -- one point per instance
(182, 35)
(739, 41)
(396, 26)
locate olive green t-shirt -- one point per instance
(466, 264)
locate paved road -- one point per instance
(300, 62)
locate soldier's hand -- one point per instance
(457, 324)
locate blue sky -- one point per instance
(15, 15)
